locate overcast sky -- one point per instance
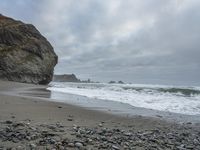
(139, 41)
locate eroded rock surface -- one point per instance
(25, 55)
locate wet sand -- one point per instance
(24, 113)
(42, 111)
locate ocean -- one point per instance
(175, 99)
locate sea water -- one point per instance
(175, 99)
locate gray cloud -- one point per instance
(140, 41)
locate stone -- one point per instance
(115, 147)
(20, 147)
(70, 119)
(13, 117)
(78, 144)
(61, 147)
(18, 124)
(52, 127)
(9, 122)
(89, 140)
(100, 125)
(128, 134)
(25, 55)
(32, 145)
(71, 145)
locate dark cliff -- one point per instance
(25, 55)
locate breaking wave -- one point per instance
(184, 100)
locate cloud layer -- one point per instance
(138, 41)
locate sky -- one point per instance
(138, 41)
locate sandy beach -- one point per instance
(34, 123)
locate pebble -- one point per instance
(71, 144)
(13, 117)
(70, 119)
(100, 125)
(56, 137)
(52, 127)
(89, 140)
(32, 145)
(9, 122)
(115, 147)
(78, 144)
(61, 147)
(127, 134)
(20, 147)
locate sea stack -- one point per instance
(25, 55)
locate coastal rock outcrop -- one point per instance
(66, 78)
(25, 55)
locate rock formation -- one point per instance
(66, 78)
(25, 55)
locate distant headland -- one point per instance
(73, 78)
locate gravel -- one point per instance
(25, 135)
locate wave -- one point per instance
(182, 91)
(184, 100)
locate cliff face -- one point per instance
(66, 78)
(25, 55)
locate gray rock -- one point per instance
(115, 147)
(89, 140)
(71, 145)
(9, 122)
(52, 127)
(100, 125)
(78, 144)
(25, 55)
(70, 119)
(32, 146)
(20, 147)
(61, 147)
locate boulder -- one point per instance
(25, 55)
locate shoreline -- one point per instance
(102, 106)
(9, 95)
(60, 126)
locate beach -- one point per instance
(28, 122)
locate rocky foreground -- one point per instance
(25, 135)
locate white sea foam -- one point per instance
(184, 100)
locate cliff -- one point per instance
(25, 55)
